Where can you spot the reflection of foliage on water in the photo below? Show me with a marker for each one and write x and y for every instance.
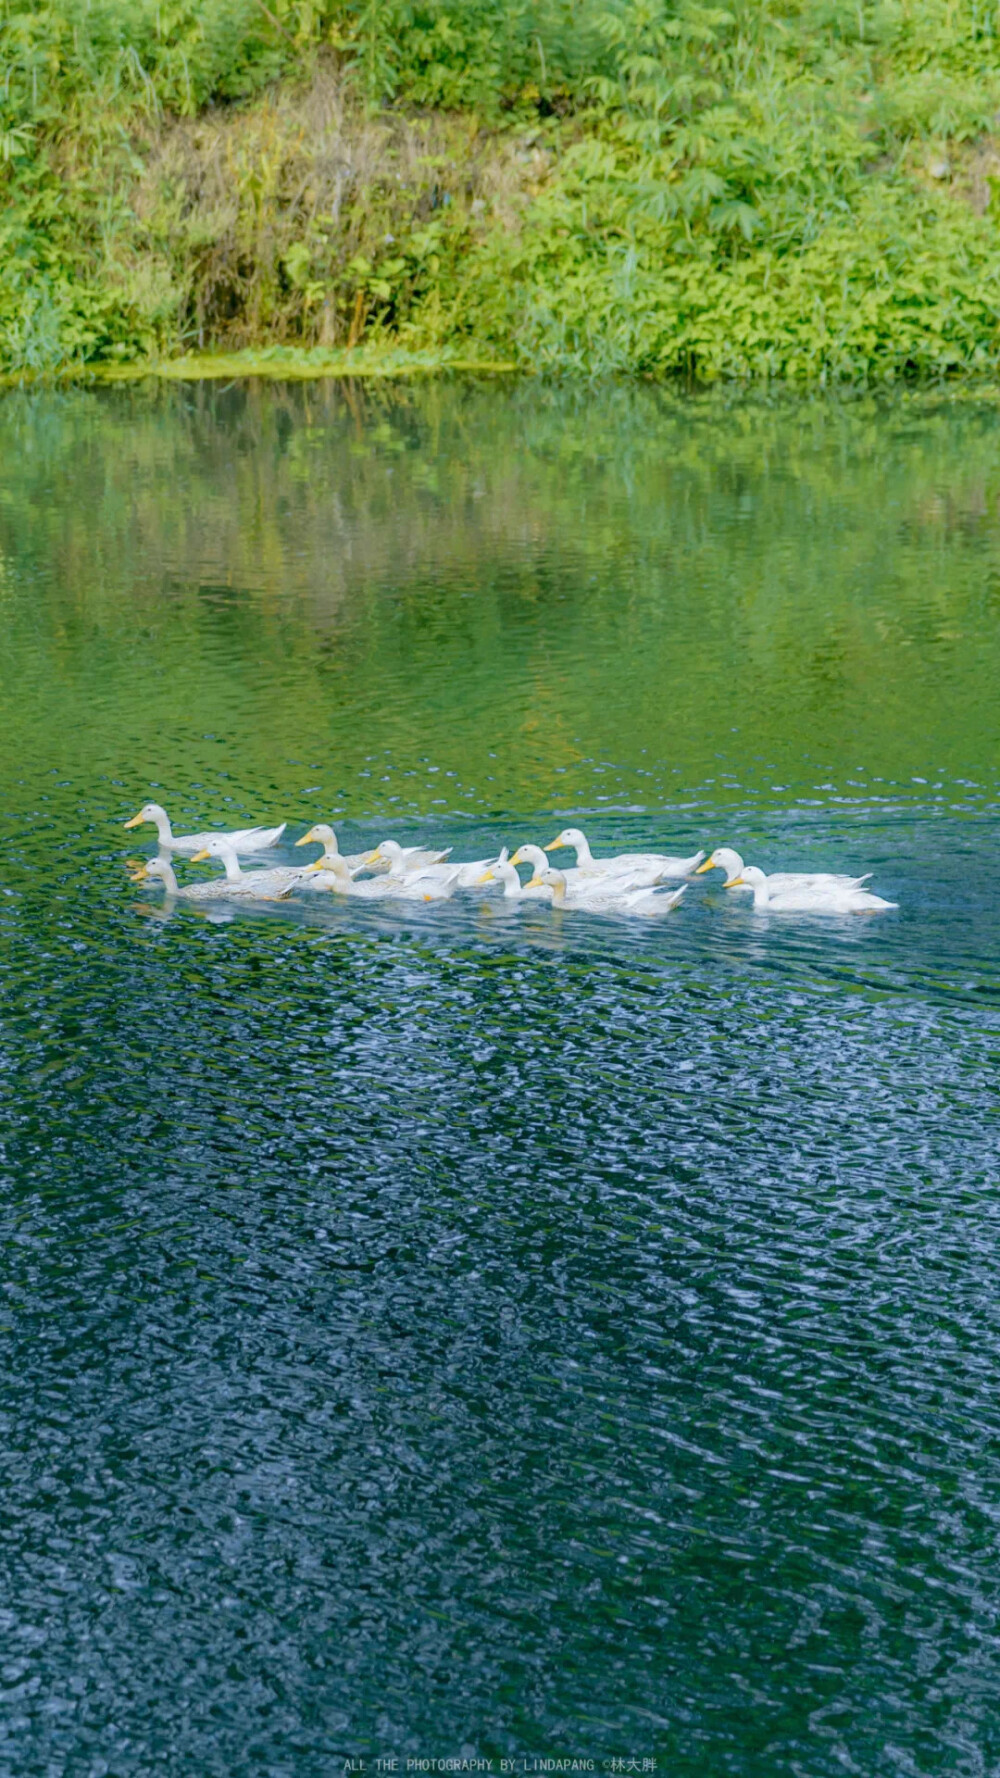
(438, 570)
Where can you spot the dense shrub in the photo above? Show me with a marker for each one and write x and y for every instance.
(802, 188)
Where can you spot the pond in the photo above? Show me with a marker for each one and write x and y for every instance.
(453, 1332)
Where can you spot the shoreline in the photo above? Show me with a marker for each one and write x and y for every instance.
(392, 364)
(273, 363)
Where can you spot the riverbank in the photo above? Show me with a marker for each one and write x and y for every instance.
(281, 364)
(802, 192)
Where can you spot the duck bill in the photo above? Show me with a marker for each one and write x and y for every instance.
(487, 877)
(736, 883)
(311, 869)
(308, 839)
(200, 857)
(136, 821)
(554, 846)
(709, 864)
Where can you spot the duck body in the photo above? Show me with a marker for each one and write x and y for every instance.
(420, 885)
(467, 875)
(243, 839)
(409, 886)
(263, 885)
(613, 898)
(390, 856)
(780, 881)
(450, 876)
(815, 898)
(644, 868)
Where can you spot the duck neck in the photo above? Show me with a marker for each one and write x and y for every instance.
(163, 829)
(761, 897)
(509, 878)
(584, 856)
(232, 864)
(534, 856)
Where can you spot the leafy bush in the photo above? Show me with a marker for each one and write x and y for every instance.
(800, 188)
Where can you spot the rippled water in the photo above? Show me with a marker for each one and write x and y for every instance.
(449, 1331)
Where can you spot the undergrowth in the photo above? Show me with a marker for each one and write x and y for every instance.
(790, 188)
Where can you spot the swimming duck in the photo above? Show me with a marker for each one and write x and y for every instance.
(219, 889)
(324, 836)
(502, 871)
(806, 898)
(580, 883)
(409, 886)
(724, 858)
(390, 855)
(614, 899)
(654, 867)
(534, 856)
(245, 839)
(403, 861)
(261, 883)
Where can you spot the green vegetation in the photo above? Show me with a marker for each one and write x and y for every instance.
(793, 188)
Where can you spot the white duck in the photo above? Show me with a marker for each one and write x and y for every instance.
(615, 898)
(810, 898)
(502, 871)
(245, 839)
(390, 855)
(413, 885)
(580, 882)
(724, 858)
(460, 876)
(264, 884)
(403, 861)
(467, 876)
(219, 889)
(652, 867)
(324, 836)
(534, 856)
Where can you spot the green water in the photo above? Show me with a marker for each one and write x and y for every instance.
(459, 1331)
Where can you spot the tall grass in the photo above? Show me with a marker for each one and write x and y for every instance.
(799, 188)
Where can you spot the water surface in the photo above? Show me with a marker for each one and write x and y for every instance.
(450, 1331)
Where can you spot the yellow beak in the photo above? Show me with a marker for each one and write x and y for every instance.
(197, 857)
(308, 839)
(736, 883)
(553, 845)
(136, 821)
(709, 864)
(311, 868)
(373, 857)
(487, 877)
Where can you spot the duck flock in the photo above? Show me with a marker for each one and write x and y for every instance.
(633, 883)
